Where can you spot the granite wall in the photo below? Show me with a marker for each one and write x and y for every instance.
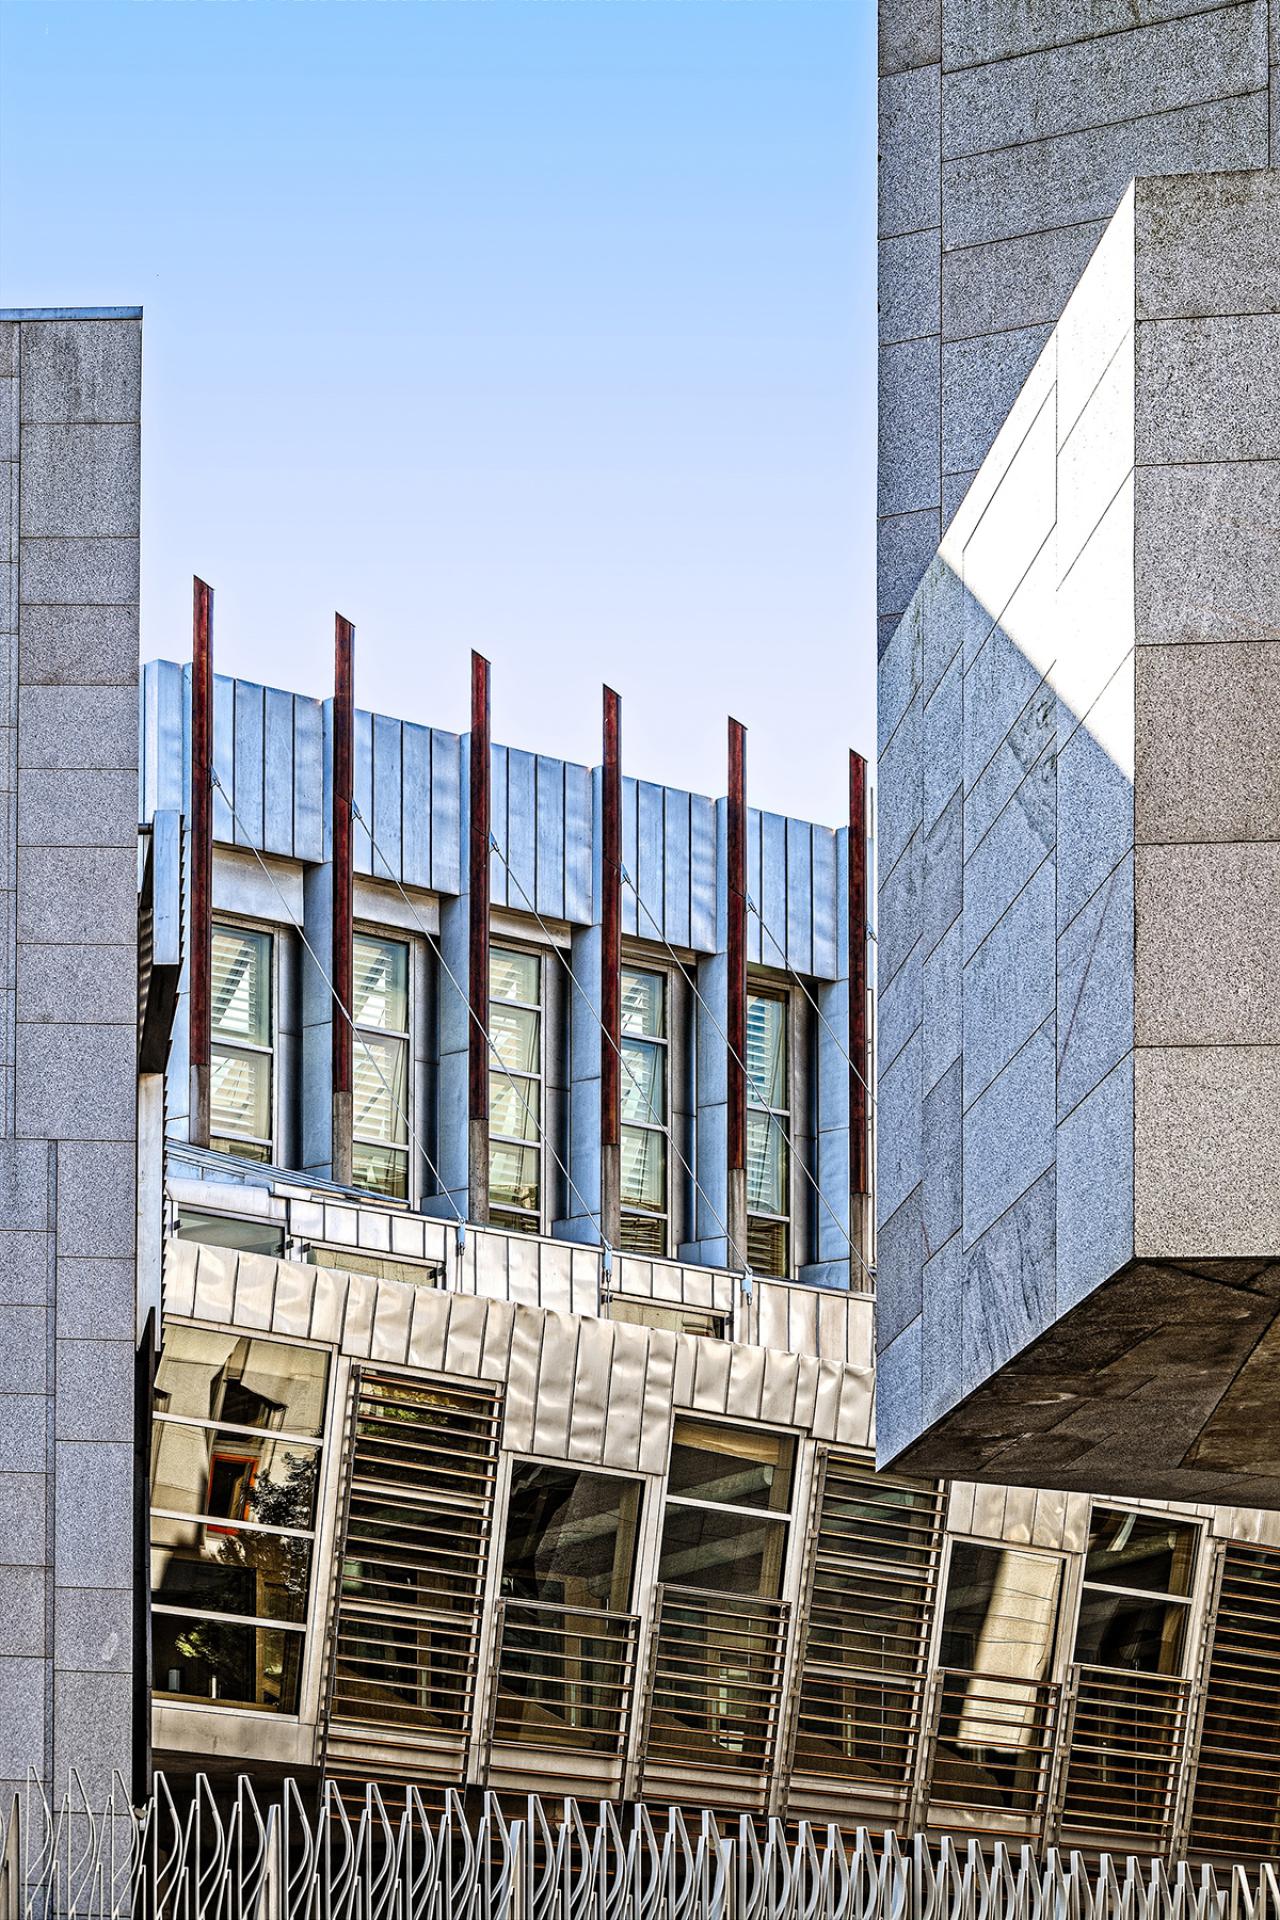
(1008, 132)
(1080, 895)
(70, 389)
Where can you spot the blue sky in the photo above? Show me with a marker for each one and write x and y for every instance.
(541, 326)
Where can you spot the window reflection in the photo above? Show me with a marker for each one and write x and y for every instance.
(1135, 1600)
(239, 1381)
(515, 1089)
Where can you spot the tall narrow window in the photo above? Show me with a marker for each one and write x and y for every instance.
(241, 1076)
(515, 1090)
(645, 1101)
(1136, 1597)
(380, 1110)
(768, 1131)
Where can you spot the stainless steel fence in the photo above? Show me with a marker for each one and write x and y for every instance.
(232, 1853)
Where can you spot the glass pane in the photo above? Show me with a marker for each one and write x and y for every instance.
(220, 1230)
(241, 985)
(232, 1475)
(644, 1168)
(381, 1170)
(766, 1164)
(1117, 1630)
(768, 1246)
(380, 1108)
(244, 1382)
(218, 1660)
(242, 1149)
(513, 1176)
(767, 1050)
(1140, 1550)
(240, 1094)
(738, 1466)
(1000, 1613)
(224, 1569)
(671, 1319)
(515, 976)
(380, 983)
(514, 1106)
(514, 1032)
(571, 1537)
(643, 1082)
(644, 1003)
(724, 1551)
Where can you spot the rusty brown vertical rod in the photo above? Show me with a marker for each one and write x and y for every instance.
(201, 1004)
(344, 730)
(611, 972)
(859, 1109)
(736, 1022)
(478, 945)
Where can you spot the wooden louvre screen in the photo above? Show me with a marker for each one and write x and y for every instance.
(864, 1670)
(417, 1524)
(1125, 1740)
(1235, 1808)
(715, 1691)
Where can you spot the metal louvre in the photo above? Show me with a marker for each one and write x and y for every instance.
(991, 1749)
(394, 1856)
(565, 1677)
(416, 1527)
(1124, 1742)
(862, 1679)
(714, 1694)
(1235, 1809)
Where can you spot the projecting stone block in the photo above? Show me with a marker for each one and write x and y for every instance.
(1204, 720)
(910, 411)
(1008, 1136)
(81, 371)
(980, 381)
(905, 544)
(910, 34)
(79, 572)
(53, 1063)
(910, 287)
(1228, 516)
(79, 646)
(79, 481)
(909, 114)
(1017, 283)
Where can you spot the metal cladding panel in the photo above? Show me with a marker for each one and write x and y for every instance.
(517, 832)
(498, 824)
(224, 758)
(308, 779)
(277, 772)
(388, 799)
(799, 922)
(579, 839)
(247, 776)
(648, 873)
(415, 803)
(548, 890)
(634, 921)
(771, 897)
(362, 846)
(702, 874)
(164, 696)
(828, 937)
(675, 891)
(446, 811)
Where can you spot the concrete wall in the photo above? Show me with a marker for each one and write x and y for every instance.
(69, 427)
(1080, 893)
(1008, 132)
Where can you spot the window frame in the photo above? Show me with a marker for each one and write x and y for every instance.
(781, 1120)
(632, 963)
(370, 931)
(1189, 1600)
(537, 1217)
(1059, 1638)
(785, 1515)
(271, 931)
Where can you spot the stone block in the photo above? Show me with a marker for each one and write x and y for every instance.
(1206, 767)
(909, 284)
(76, 807)
(899, 1387)
(1094, 616)
(93, 1528)
(79, 573)
(1095, 1187)
(80, 481)
(951, 622)
(22, 1520)
(1021, 836)
(9, 511)
(9, 341)
(1018, 283)
(96, 1299)
(900, 1257)
(941, 1147)
(79, 646)
(56, 886)
(1078, 177)
(57, 984)
(78, 727)
(25, 1261)
(24, 1356)
(92, 1727)
(25, 1173)
(84, 371)
(1208, 958)
(942, 873)
(910, 34)
(942, 1326)
(1010, 1281)
(54, 1064)
(1095, 969)
(899, 1010)
(942, 741)
(96, 1208)
(22, 1724)
(909, 425)
(900, 787)
(1101, 81)
(981, 379)
(900, 1112)
(1207, 246)
(8, 420)
(1009, 983)
(941, 1006)
(24, 1424)
(1008, 1135)
(1008, 556)
(1094, 458)
(900, 913)
(1199, 398)
(905, 544)
(910, 105)
(22, 1599)
(898, 677)
(93, 1630)
(1229, 517)
(1003, 28)
(95, 1390)
(998, 763)
(1206, 1147)
(1095, 795)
